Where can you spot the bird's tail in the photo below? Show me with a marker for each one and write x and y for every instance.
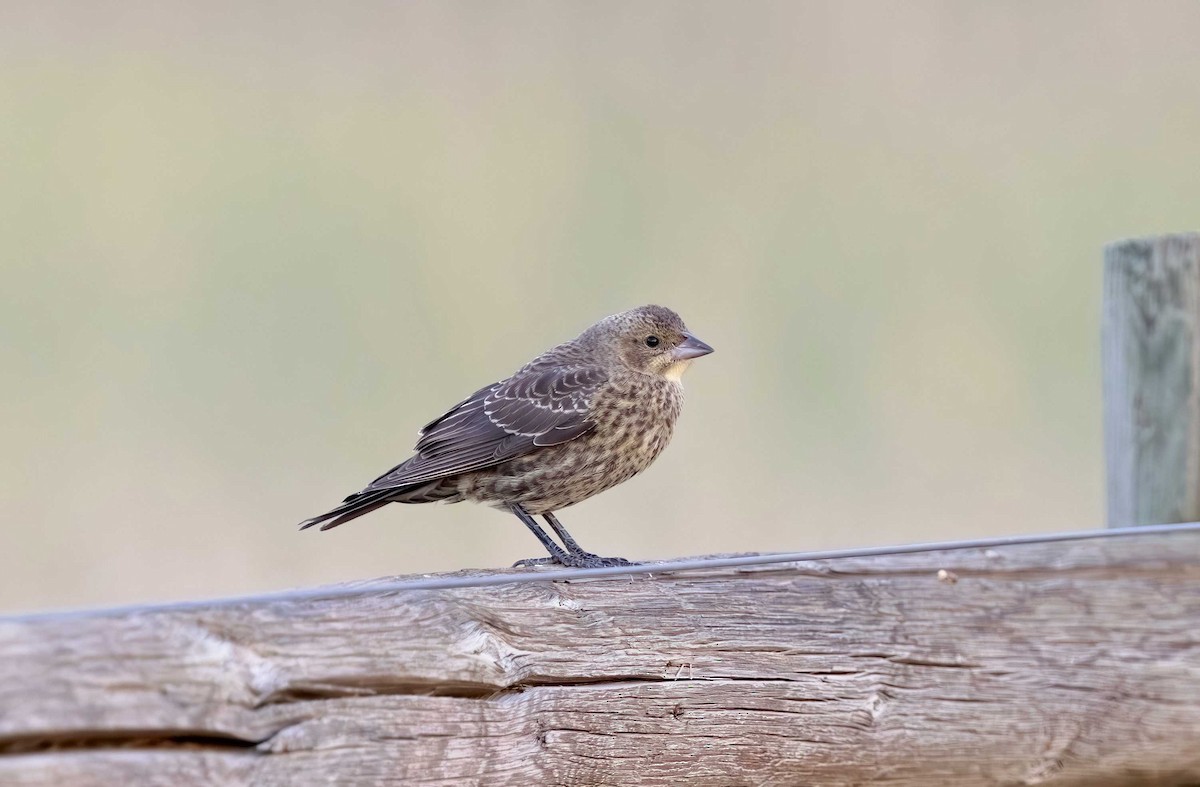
(355, 506)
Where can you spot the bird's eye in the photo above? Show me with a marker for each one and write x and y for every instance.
(652, 341)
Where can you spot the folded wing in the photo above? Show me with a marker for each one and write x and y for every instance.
(533, 408)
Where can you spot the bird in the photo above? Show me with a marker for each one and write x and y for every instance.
(582, 417)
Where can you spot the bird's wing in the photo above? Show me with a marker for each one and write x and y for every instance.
(533, 408)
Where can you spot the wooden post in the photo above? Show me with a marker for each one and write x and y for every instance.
(1151, 349)
(1060, 663)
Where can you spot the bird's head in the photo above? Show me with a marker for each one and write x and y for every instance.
(649, 339)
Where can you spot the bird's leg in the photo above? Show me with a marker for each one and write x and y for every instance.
(579, 553)
(573, 557)
(568, 541)
(557, 555)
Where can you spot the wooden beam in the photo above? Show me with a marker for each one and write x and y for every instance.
(1151, 349)
(1065, 663)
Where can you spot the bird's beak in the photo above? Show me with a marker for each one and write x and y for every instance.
(690, 348)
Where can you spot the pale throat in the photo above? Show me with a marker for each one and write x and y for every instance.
(675, 371)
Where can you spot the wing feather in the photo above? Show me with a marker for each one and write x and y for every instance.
(535, 407)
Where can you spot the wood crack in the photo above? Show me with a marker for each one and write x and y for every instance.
(132, 739)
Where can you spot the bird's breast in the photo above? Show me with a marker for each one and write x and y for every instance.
(634, 420)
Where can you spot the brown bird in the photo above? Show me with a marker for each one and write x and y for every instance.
(580, 418)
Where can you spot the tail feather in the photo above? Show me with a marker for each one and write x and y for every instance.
(354, 507)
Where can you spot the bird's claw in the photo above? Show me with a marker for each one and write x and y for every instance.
(584, 560)
(595, 561)
(530, 562)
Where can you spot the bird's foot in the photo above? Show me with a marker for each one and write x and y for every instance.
(581, 559)
(575, 560)
(589, 560)
(530, 562)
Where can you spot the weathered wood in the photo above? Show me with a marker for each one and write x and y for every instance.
(1063, 663)
(1151, 349)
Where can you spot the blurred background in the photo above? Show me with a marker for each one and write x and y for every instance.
(248, 248)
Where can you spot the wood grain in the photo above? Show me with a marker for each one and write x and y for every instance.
(1063, 663)
(1151, 349)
